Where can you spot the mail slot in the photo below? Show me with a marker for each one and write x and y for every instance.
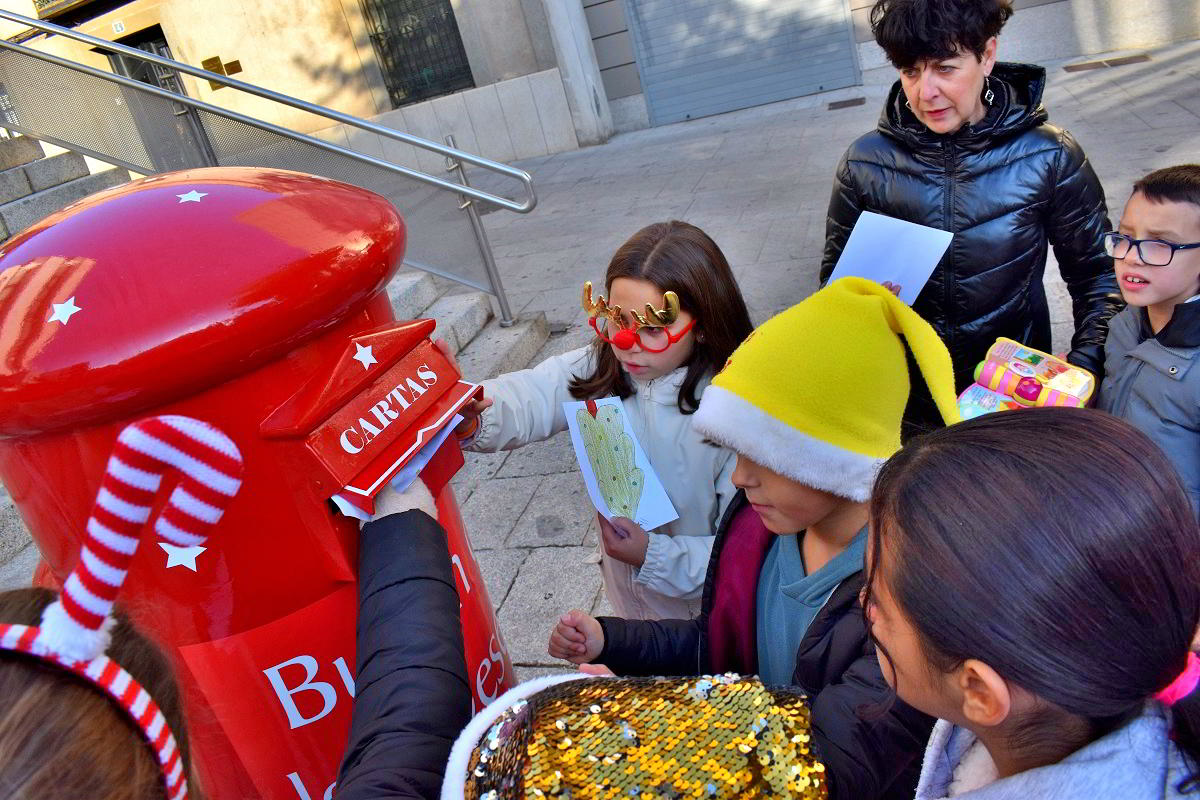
(252, 299)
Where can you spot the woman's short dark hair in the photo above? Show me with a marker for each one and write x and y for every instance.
(676, 257)
(1056, 545)
(910, 31)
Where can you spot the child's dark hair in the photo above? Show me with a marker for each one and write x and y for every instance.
(1059, 547)
(910, 31)
(681, 258)
(60, 736)
(1178, 184)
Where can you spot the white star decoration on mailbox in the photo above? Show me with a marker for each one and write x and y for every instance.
(191, 197)
(181, 556)
(364, 356)
(63, 311)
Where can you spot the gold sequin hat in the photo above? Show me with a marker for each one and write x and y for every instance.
(579, 738)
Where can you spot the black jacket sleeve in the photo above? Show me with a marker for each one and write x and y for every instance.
(1077, 219)
(869, 740)
(844, 210)
(650, 647)
(411, 691)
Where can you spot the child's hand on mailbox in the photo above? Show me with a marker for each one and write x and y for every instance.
(471, 411)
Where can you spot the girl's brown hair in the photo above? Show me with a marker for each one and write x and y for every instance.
(681, 258)
(1059, 547)
(60, 736)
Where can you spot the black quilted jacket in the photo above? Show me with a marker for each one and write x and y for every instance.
(1006, 187)
(411, 692)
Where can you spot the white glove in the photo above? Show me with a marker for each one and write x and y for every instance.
(415, 497)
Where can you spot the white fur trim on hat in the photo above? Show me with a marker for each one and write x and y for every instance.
(455, 782)
(727, 419)
(60, 634)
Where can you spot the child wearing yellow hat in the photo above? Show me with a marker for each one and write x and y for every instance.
(812, 404)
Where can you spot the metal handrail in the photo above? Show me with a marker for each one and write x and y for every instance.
(524, 177)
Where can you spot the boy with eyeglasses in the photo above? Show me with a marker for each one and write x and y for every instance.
(1151, 374)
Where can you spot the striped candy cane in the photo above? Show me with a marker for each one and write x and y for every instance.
(75, 629)
(211, 469)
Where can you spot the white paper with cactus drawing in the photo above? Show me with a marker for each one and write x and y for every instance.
(619, 478)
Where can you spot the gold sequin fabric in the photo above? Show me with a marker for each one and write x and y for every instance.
(720, 736)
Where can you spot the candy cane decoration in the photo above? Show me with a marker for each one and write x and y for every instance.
(211, 466)
(76, 628)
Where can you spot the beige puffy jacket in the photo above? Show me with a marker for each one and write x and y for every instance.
(696, 475)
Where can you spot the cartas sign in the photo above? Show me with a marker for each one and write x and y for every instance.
(382, 411)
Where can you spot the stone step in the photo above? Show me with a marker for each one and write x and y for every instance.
(22, 181)
(19, 150)
(55, 170)
(20, 214)
(411, 292)
(14, 184)
(497, 350)
(13, 534)
(460, 317)
(16, 572)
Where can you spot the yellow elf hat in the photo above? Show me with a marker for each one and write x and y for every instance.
(818, 391)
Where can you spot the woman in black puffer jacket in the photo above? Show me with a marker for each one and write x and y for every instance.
(963, 145)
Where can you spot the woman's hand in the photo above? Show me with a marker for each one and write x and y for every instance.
(416, 496)
(624, 540)
(894, 288)
(471, 411)
(577, 637)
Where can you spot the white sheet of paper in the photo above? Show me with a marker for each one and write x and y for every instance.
(654, 508)
(887, 249)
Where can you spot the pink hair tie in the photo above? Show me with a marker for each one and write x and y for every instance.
(1184, 685)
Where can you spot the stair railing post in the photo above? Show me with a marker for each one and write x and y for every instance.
(485, 248)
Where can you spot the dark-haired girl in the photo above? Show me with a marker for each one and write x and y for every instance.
(964, 145)
(659, 371)
(1034, 582)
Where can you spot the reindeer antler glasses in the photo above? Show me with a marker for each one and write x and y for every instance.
(649, 331)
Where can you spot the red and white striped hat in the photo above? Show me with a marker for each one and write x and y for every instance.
(76, 628)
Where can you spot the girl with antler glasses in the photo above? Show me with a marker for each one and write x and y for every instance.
(669, 316)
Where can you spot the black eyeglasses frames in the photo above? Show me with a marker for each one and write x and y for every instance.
(1152, 252)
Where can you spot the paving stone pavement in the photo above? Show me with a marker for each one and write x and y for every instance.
(758, 182)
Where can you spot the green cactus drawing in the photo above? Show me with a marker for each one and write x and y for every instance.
(610, 452)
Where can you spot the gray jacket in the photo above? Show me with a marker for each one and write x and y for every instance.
(1136, 762)
(1153, 382)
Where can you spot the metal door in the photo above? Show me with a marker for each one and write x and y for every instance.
(702, 57)
(172, 132)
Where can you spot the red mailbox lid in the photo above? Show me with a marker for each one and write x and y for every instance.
(150, 291)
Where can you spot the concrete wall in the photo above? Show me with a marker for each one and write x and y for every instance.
(503, 39)
(320, 51)
(1046, 30)
(612, 41)
(576, 59)
(519, 118)
(317, 51)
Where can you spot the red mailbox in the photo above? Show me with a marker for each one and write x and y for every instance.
(251, 299)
